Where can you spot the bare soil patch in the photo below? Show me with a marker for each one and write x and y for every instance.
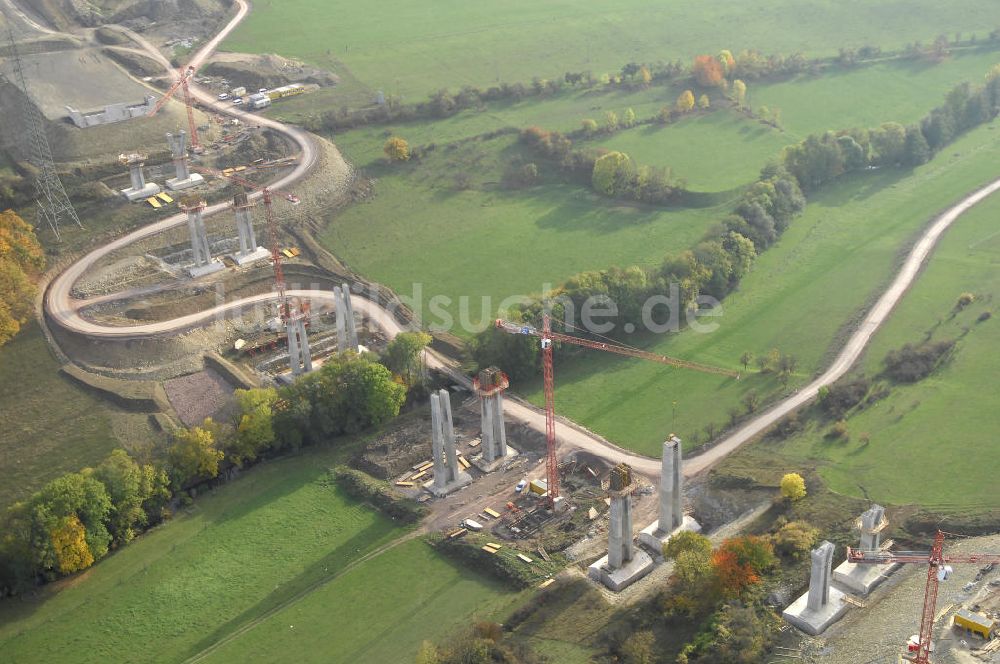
(200, 395)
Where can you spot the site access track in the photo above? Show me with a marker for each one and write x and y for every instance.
(64, 310)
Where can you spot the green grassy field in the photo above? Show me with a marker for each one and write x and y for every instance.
(798, 298)
(492, 242)
(50, 426)
(379, 611)
(928, 442)
(246, 549)
(868, 96)
(418, 47)
(712, 152)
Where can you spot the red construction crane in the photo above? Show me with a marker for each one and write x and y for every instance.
(186, 73)
(284, 310)
(936, 572)
(547, 337)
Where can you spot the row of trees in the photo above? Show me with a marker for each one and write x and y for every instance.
(610, 173)
(708, 71)
(77, 518)
(821, 158)
(714, 267)
(21, 261)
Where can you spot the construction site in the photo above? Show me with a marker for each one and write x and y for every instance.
(205, 277)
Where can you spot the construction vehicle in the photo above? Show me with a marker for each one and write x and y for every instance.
(938, 569)
(258, 100)
(546, 338)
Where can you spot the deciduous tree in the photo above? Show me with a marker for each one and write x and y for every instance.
(793, 487)
(739, 562)
(137, 493)
(644, 76)
(613, 173)
(72, 495)
(704, 102)
(687, 540)
(707, 71)
(795, 539)
(685, 102)
(254, 432)
(916, 151)
(396, 149)
(69, 542)
(739, 93)
(403, 355)
(611, 121)
(21, 259)
(194, 455)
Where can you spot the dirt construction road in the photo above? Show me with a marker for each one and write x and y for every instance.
(64, 311)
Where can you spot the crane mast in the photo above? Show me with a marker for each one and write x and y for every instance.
(279, 273)
(935, 560)
(551, 463)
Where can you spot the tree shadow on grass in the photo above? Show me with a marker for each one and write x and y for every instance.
(857, 186)
(287, 594)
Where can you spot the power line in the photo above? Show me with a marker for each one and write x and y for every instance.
(53, 203)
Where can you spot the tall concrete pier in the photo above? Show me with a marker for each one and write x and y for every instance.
(140, 189)
(299, 355)
(352, 326)
(863, 578)
(624, 564)
(620, 545)
(672, 518)
(249, 252)
(201, 254)
(184, 178)
(490, 385)
(823, 604)
(819, 576)
(347, 329)
(448, 475)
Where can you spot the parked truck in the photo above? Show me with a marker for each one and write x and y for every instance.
(238, 92)
(258, 100)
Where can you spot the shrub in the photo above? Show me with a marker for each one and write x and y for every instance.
(686, 541)
(838, 431)
(843, 395)
(793, 487)
(795, 539)
(912, 363)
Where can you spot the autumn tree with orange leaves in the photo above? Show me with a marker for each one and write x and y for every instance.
(21, 260)
(739, 562)
(708, 71)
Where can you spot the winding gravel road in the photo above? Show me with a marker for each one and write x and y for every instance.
(63, 310)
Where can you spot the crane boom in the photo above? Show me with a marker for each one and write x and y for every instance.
(181, 83)
(612, 347)
(935, 559)
(547, 337)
